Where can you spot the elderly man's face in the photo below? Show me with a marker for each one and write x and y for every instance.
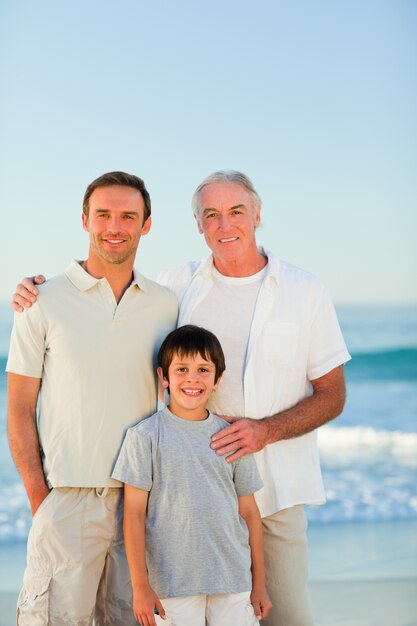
(227, 219)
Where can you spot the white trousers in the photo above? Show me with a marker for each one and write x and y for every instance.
(212, 610)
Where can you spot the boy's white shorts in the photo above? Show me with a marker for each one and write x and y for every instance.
(211, 610)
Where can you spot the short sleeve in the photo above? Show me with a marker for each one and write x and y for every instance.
(28, 343)
(134, 463)
(327, 348)
(246, 476)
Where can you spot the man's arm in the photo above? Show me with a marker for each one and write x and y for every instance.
(23, 393)
(246, 435)
(259, 596)
(26, 293)
(145, 600)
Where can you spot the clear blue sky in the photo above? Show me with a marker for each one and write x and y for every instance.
(316, 101)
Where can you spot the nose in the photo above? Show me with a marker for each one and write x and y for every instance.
(192, 377)
(224, 222)
(114, 224)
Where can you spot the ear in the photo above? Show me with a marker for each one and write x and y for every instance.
(84, 219)
(164, 381)
(217, 382)
(200, 230)
(146, 226)
(257, 217)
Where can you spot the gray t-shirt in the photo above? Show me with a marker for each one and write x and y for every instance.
(196, 542)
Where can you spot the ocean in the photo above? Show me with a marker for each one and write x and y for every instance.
(369, 453)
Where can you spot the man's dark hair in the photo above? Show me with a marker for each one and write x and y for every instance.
(118, 178)
(189, 341)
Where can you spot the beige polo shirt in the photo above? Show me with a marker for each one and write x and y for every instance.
(97, 360)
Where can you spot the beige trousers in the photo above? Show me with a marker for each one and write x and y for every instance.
(285, 546)
(76, 564)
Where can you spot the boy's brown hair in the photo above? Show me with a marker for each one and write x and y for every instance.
(191, 340)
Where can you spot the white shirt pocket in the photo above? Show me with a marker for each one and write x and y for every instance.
(280, 341)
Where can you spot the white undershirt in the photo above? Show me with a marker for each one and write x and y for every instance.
(228, 311)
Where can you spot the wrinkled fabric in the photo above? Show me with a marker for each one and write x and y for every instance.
(286, 568)
(211, 610)
(76, 562)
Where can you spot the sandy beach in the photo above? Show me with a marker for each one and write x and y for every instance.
(362, 574)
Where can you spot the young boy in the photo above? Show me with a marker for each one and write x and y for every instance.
(192, 528)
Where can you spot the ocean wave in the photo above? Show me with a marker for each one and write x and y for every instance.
(344, 444)
(369, 474)
(393, 364)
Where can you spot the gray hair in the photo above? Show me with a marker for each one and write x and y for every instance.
(227, 176)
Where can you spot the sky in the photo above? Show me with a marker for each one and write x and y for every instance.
(315, 100)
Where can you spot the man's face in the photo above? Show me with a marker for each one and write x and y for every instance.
(115, 223)
(227, 219)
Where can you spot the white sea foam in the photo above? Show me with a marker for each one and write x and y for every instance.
(369, 474)
(363, 441)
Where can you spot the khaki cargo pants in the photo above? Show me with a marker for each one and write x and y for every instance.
(76, 563)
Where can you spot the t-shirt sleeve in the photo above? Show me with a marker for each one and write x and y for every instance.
(246, 476)
(134, 463)
(28, 343)
(327, 348)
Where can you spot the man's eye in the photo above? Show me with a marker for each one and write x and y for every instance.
(210, 215)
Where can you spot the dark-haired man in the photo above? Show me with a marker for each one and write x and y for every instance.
(87, 349)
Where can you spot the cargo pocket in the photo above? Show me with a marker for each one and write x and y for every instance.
(251, 619)
(33, 602)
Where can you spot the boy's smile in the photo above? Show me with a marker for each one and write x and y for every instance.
(190, 381)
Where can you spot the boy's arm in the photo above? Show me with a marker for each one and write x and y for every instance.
(145, 599)
(22, 429)
(259, 596)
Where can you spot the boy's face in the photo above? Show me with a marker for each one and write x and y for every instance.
(190, 381)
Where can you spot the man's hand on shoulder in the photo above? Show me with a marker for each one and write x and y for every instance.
(26, 292)
(243, 436)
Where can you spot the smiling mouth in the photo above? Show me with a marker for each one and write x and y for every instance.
(114, 242)
(228, 239)
(192, 392)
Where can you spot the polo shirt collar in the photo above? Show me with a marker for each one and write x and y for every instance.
(83, 281)
(139, 280)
